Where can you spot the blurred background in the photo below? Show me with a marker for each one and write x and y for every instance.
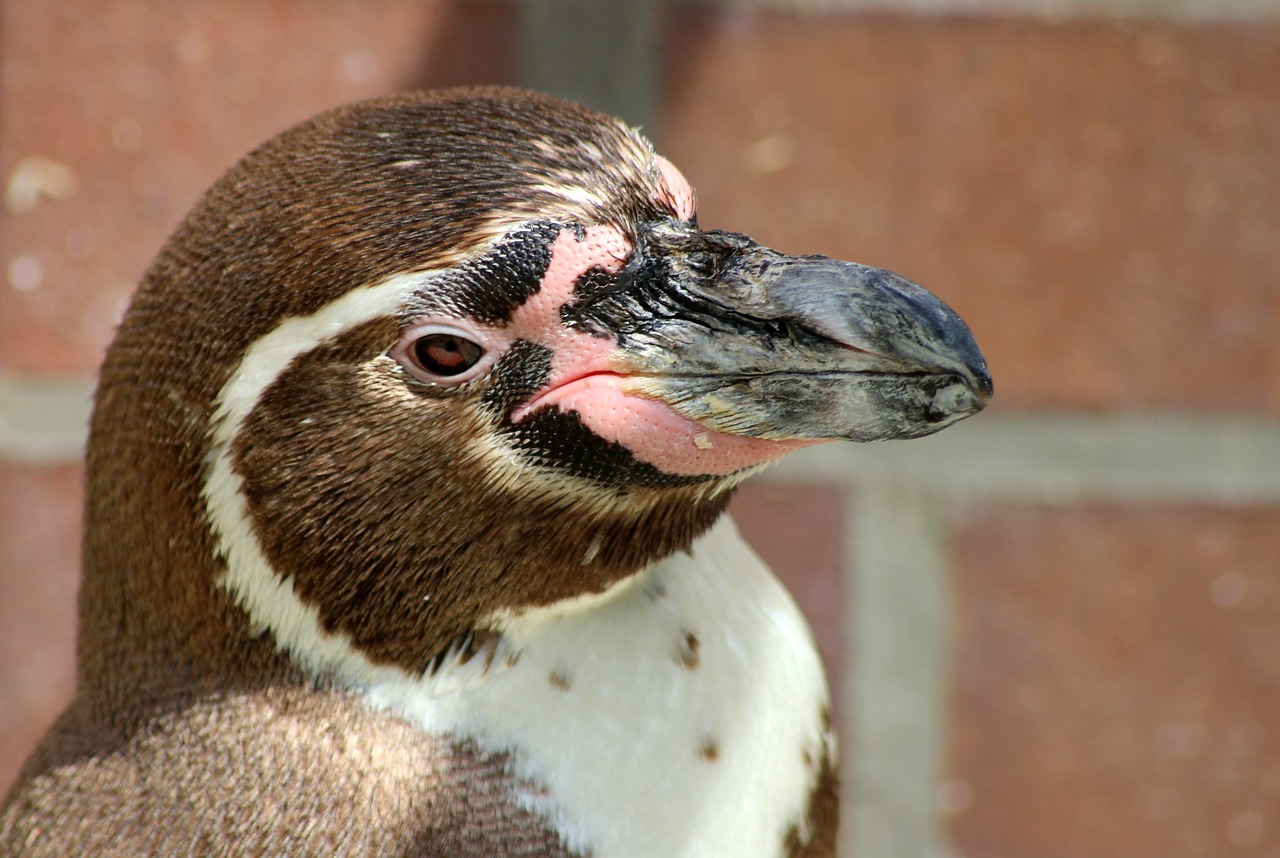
(1053, 630)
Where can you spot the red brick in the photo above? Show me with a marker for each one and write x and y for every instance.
(1100, 201)
(39, 573)
(147, 102)
(1117, 683)
(798, 530)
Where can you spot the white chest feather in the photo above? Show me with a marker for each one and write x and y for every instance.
(680, 713)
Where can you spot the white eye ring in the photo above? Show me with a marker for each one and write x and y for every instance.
(445, 355)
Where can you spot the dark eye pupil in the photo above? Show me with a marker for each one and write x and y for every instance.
(446, 354)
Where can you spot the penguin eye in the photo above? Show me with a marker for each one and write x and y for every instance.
(446, 355)
(443, 355)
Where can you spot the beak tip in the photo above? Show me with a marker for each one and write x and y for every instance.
(980, 381)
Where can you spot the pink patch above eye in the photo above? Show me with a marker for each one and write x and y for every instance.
(589, 374)
(677, 188)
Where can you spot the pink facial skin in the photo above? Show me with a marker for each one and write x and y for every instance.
(676, 188)
(589, 374)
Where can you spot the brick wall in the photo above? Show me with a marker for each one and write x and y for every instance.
(1055, 629)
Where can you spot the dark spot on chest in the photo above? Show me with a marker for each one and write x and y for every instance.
(687, 652)
(560, 679)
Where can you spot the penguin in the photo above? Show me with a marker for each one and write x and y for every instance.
(405, 524)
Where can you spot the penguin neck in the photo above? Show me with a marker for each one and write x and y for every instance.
(444, 616)
(695, 681)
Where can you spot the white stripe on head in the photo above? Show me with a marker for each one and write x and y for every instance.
(269, 599)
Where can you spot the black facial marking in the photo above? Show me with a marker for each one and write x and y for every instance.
(666, 279)
(589, 284)
(560, 440)
(490, 289)
(522, 372)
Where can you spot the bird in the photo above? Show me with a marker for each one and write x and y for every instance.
(405, 524)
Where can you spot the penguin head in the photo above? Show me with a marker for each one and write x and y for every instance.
(429, 358)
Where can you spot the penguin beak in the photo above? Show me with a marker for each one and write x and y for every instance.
(744, 340)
